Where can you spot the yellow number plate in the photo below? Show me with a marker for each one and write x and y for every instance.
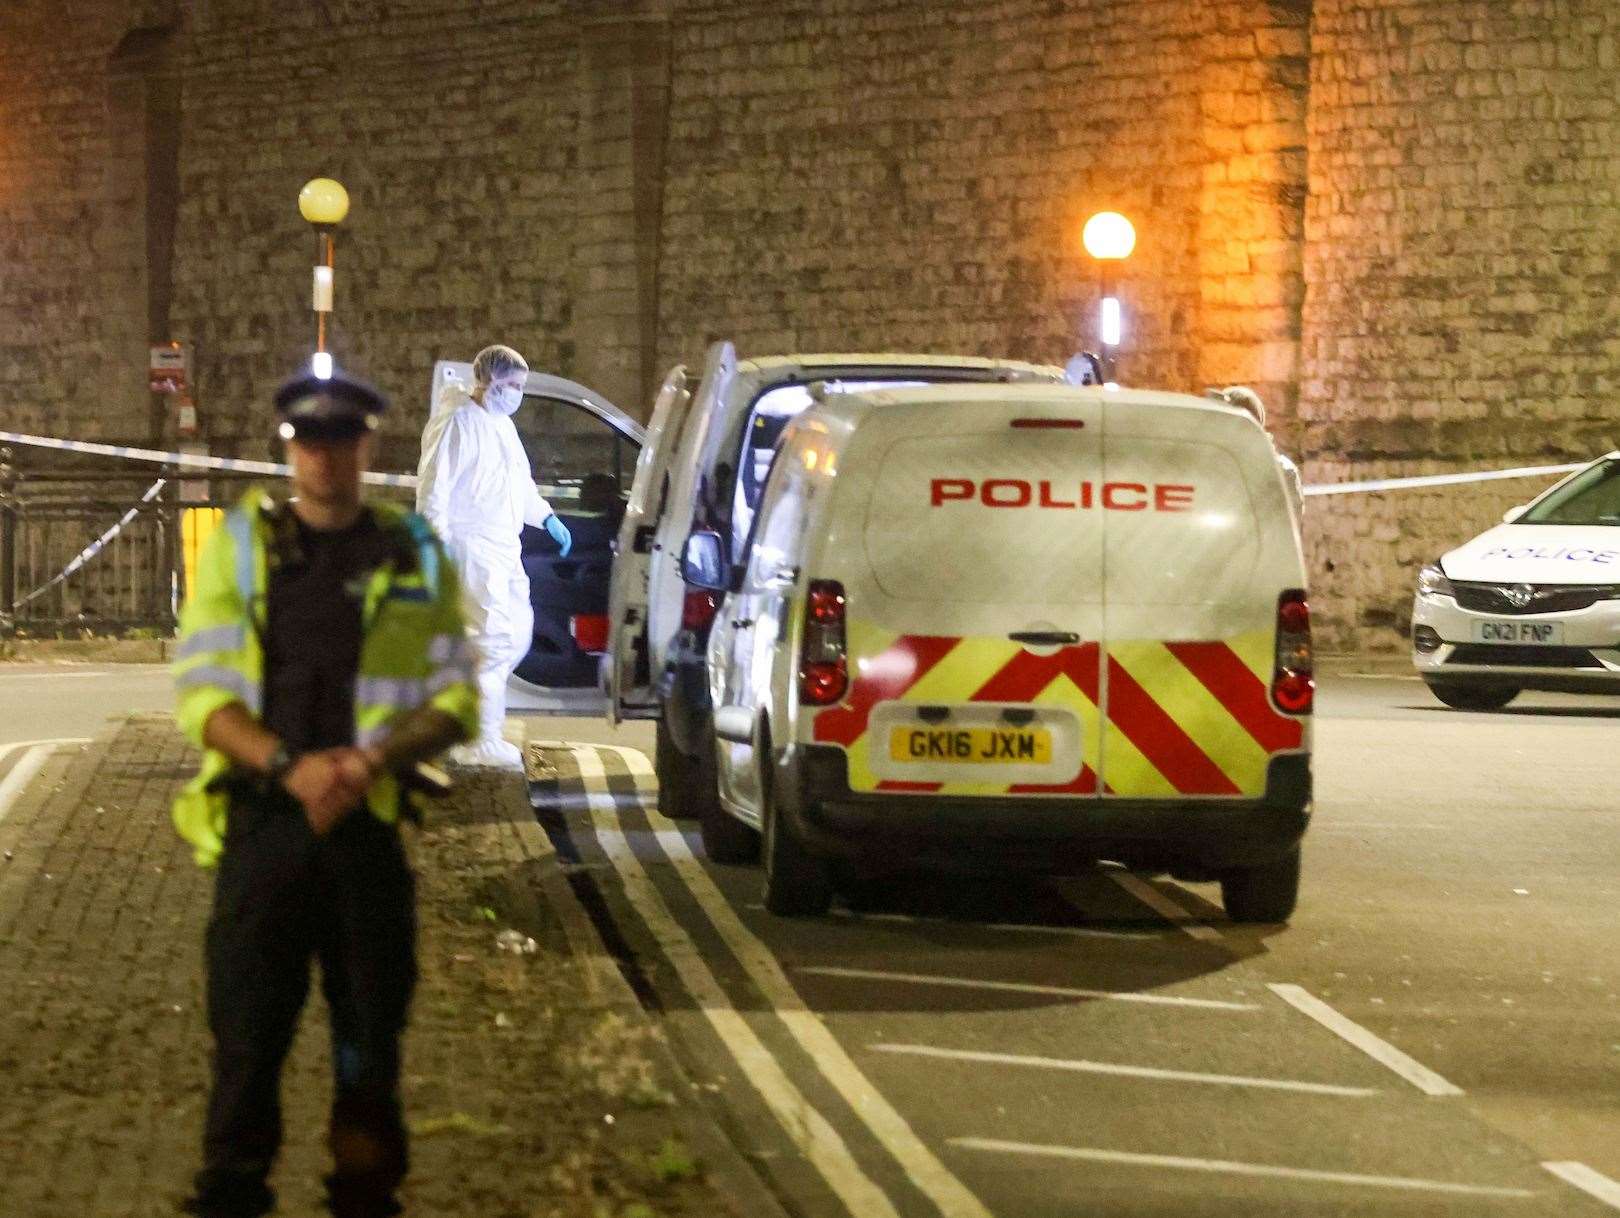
(971, 745)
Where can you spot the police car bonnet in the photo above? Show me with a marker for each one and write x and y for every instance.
(1538, 554)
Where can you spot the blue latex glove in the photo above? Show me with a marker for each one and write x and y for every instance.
(560, 534)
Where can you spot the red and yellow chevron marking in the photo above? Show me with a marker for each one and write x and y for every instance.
(1193, 718)
(1188, 718)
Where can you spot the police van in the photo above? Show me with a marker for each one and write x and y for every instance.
(1021, 627)
(1533, 603)
(709, 445)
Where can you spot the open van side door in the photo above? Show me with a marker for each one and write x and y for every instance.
(627, 671)
(581, 450)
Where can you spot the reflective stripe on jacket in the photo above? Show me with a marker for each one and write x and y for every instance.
(413, 651)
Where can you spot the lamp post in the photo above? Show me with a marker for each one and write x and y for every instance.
(324, 204)
(1109, 238)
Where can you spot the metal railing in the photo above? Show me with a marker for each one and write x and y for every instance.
(97, 549)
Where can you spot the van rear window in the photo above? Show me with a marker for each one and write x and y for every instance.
(1035, 517)
(963, 518)
(1202, 555)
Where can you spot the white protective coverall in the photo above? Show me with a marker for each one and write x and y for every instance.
(476, 491)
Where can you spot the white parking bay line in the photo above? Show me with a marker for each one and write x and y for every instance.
(1593, 1183)
(1149, 1072)
(1381, 1051)
(921, 1165)
(1022, 987)
(1227, 1167)
(24, 772)
(811, 1132)
(1184, 921)
(49, 676)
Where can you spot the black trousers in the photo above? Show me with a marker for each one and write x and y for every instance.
(283, 896)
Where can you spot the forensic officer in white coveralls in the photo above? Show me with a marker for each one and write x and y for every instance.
(477, 492)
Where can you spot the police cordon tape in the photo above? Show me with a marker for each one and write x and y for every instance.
(1412, 484)
(94, 548)
(235, 465)
(187, 460)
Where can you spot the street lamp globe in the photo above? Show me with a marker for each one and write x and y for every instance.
(323, 202)
(1109, 236)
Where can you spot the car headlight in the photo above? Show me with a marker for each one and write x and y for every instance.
(1432, 581)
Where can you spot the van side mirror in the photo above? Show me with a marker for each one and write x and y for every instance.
(1513, 513)
(703, 562)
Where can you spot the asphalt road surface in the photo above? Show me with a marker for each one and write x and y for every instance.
(73, 701)
(1437, 1032)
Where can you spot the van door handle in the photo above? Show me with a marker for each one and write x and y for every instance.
(1045, 638)
(742, 623)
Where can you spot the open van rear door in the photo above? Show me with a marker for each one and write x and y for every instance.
(627, 668)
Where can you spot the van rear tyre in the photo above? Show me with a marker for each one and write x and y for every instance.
(1267, 893)
(1473, 697)
(797, 883)
(726, 839)
(686, 785)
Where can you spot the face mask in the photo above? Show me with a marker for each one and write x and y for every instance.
(505, 399)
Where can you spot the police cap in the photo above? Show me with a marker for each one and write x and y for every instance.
(337, 407)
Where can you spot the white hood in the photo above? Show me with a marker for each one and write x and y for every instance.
(1538, 554)
(451, 396)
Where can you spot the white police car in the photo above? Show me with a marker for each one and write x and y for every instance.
(1533, 603)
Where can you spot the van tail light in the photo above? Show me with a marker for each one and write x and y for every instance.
(698, 609)
(823, 662)
(1293, 677)
(590, 631)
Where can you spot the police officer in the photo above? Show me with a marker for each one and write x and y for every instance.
(321, 658)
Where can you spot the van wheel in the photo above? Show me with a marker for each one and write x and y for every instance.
(797, 883)
(725, 838)
(1473, 697)
(1263, 894)
(686, 785)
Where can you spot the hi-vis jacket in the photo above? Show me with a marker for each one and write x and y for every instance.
(413, 650)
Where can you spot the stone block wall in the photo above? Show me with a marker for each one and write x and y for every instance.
(452, 127)
(72, 233)
(880, 174)
(1462, 302)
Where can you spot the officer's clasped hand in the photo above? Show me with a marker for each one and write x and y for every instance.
(560, 534)
(329, 784)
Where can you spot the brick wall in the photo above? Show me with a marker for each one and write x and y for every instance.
(1463, 290)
